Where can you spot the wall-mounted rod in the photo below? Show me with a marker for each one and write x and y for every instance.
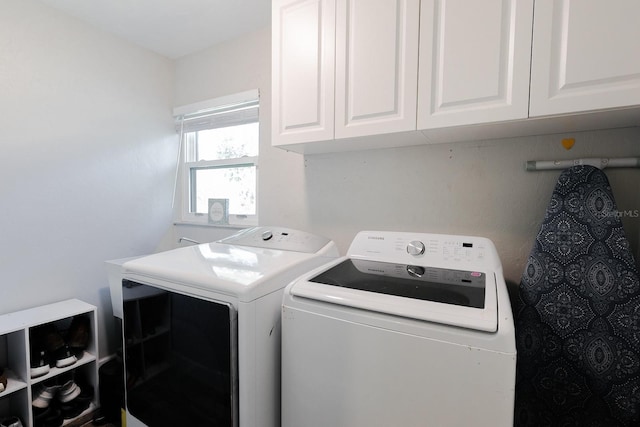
(180, 240)
(601, 163)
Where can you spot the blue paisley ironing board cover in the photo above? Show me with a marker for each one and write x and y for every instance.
(578, 314)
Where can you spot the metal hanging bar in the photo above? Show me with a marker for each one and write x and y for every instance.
(184, 239)
(601, 163)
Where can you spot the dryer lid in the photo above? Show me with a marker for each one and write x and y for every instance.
(453, 297)
(246, 266)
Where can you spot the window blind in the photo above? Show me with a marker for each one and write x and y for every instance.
(219, 117)
(218, 113)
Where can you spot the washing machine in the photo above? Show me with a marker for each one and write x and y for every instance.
(408, 329)
(201, 328)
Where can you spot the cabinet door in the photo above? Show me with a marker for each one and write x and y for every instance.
(376, 66)
(586, 56)
(303, 49)
(474, 61)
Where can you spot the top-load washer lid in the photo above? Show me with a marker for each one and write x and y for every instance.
(460, 298)
(252, 264)
(457, 287)
(444, 279)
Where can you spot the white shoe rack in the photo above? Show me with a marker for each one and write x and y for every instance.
(16, 399)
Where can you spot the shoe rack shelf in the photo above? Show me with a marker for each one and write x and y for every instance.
(15, 347)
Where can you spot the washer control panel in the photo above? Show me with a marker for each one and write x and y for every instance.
(423, 248)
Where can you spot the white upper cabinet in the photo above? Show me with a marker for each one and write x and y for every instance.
(474, 61)
(303, 47)
(343, 68)
(376, 66)
(586, 56)
(353, 74)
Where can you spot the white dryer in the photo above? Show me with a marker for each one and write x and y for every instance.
(409, 329)
(202, 328)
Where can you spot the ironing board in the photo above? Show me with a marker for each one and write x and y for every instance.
(578, 314)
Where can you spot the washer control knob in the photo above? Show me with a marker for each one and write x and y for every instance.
(415, 248)
(267, 235)
(416, 271)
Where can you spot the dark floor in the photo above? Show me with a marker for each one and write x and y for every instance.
(91, 424)
(88, 421)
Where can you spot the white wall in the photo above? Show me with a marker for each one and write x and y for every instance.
(88, 153)
(86, 161)
(232, 67)
(476, 188)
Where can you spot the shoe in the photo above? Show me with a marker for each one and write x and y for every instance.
(47, 336)
(99, 420)
(77, 406)
(44, 393)
(11, 422)
(68, 391)
(74, 408)
(49, 417)
(39, 364)
(3, 380)
(64, 357)
(79, 335)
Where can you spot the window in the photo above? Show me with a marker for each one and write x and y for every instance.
(220, 145)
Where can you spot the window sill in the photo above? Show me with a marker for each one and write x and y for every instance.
(204, 224)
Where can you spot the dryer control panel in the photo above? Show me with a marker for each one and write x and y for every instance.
(281, 238)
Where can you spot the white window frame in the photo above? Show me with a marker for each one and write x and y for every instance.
(187, 168)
